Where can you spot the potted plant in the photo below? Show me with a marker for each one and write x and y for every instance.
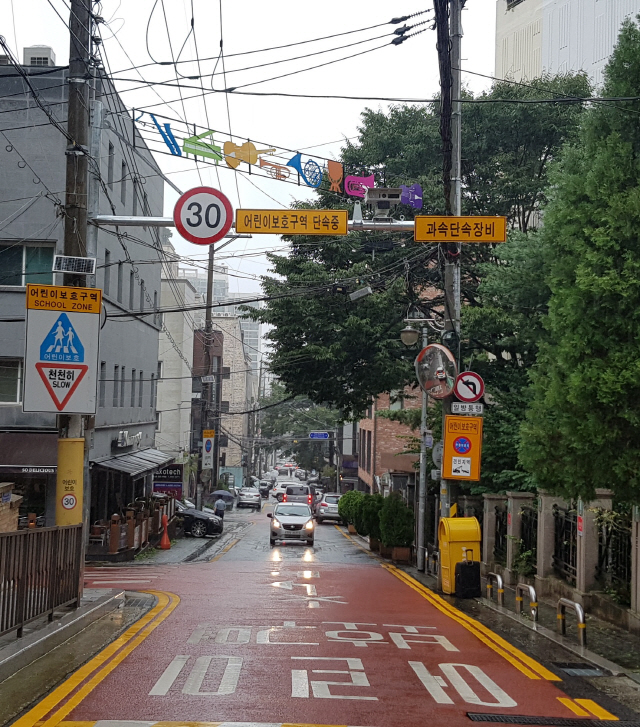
(347, 508)
(396, 528)
(359, 518)
(371, 515)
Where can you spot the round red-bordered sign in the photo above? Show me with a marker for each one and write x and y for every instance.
(69, 501)
(203, 215)
(469, 387)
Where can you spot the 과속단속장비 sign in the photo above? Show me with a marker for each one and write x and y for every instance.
(460, 229)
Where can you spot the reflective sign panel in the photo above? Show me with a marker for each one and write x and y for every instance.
(460, 229)
(462, 448)
(292, 222)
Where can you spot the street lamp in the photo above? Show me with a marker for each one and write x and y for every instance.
(409, 335)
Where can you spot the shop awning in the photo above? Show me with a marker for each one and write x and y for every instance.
(28, 453)
(137, 463)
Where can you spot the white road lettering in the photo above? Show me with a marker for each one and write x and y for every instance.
(243, 635)
(434, 685)
(169, 675)
(321, 688)
(354, 636)
(229, 680)
(402, 642)
(265, 633)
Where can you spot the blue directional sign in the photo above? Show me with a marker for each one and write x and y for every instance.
(318, 435)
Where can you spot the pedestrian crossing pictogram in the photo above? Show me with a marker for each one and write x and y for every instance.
(62, 343)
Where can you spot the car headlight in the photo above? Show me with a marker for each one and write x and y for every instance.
(309, 525)
(275, 523)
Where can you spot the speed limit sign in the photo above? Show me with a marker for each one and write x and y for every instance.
(203, 215)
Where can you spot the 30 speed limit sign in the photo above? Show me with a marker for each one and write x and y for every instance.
(203, 215)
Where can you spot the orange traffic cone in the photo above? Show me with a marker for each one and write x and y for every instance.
(165, 543)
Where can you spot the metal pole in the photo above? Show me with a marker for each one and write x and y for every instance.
(452, 252)
(422, 491)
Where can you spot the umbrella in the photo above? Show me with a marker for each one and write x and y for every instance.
(220, 493)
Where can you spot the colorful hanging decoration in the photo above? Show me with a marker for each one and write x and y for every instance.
(311, 173)
(355, 186)
(412, 196)
(168, 137)
(335, 172)
(247, 152)
(194, 145)
(277, 171)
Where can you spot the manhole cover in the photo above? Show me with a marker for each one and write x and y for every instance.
(579, 669)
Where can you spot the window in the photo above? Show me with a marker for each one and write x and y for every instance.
(158, 421)
(396, 402)
(22, 264)
(39, 61)
(135, 197)
(160, 369)
(107, 272)
(132, 288)
(110, 160)
(10, 381)
(145, 206)
(141, 295)
(123, 183)
(226, 372)
(133, 387)
(156, 315)
(103, 384)
(224, 407)
(120, 282)
(141, 389)
(123, 381)
(116, 378)
(152, 392)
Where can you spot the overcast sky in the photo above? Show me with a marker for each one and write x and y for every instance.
(314, 125)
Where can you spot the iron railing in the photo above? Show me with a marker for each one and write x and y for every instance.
(39, 572)
(565, 543)
(500, 543)
(613, 571)
(528, 546)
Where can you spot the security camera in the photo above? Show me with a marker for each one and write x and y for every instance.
(383, 199)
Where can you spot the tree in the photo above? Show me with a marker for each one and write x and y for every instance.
(583, 426)
(396, 523)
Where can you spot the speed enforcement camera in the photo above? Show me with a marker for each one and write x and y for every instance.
(383, 199)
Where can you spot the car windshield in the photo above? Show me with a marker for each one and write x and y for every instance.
(292, 510)
(297, 490)
(331, 499)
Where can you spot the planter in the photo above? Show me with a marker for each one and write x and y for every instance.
(352, 529)
(385, 551)
(374, 544)
(401, 555)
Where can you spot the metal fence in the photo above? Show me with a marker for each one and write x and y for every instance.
(566, 543)
(614, 556)
(39, 572)
(500, 544)
(529, 535)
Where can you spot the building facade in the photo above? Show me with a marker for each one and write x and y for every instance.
(122, 442)
(558, 36)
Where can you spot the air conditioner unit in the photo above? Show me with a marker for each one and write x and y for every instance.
(123, 437)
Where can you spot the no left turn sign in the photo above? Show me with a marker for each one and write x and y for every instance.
(203, 215)
(469, 386)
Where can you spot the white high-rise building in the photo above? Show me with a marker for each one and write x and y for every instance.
(558, 36)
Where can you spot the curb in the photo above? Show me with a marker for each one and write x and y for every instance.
(22, 652)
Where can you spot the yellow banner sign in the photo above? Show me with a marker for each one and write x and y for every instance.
(460, 229)
(462, 448)
(287, 222)
(57, 297)
(208, 433)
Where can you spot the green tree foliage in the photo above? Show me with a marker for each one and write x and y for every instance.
(348, 505)
(583, 426)
(396, 523)
(371, 507)
(287, 423)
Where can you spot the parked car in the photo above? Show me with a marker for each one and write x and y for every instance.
(327, 508)
(280, 488)
(265, 488)
(249, 497)
(198, 523)
(299, 493)
(291, 522)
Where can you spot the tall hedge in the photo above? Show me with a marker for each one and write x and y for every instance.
(348, 505)
(396, 523)
(371, 507)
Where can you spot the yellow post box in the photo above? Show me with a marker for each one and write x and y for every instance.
(456, 535)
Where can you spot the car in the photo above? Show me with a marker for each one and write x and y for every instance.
(299, 493)
(198, 523)
(290, 522)
(280, 488)
(327, 508)
(188, 505)
(249, 497)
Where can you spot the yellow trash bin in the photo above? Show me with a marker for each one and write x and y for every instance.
(456, 535)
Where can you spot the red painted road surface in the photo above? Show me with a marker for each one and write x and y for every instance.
(315, 636)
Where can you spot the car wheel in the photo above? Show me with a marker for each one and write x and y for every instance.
(310, 543)
(319, 520)
(279, 498)
(199, 529)
(272, 542)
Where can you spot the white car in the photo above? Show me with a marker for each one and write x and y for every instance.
(280, 489)
(291, 522)
(249, 497)
(327, 508)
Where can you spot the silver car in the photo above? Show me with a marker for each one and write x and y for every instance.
(249, 497)
(292, 522)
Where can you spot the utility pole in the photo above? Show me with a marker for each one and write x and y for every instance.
(72, 426)
(452, 250)
(422, 487)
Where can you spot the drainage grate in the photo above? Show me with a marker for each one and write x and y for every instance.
(579, 669)
(523, 720)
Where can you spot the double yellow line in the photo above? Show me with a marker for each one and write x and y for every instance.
(528, 666)
(87, 678)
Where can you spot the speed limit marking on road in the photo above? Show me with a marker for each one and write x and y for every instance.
(69, 502)
(203, 215)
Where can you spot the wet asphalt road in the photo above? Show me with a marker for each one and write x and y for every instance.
(296, 635)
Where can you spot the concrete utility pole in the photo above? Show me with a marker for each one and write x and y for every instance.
(72, 426)
(452, 250)
(422, 486)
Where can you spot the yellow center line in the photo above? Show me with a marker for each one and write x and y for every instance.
(597, 710)
(100, 663)
(226, 549)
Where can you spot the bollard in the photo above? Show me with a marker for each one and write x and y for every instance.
(499, 583)
(533, 599)
(165, 543)
(582, 626)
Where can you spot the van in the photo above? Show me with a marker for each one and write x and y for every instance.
(299, 493)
